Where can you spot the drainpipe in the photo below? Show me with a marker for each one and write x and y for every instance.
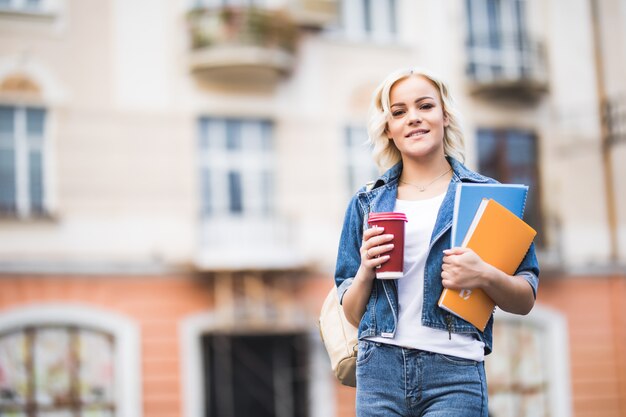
(604, 131)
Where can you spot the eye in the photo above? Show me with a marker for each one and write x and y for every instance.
(397, 113)
(427, 106)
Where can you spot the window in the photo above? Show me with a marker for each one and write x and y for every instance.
(373, 20)
(236, 170)
(22, 161)
(510, 156)
(28, 6)
(497, 40)
(359, 163)
(57, 370)
(255, 375)
(517, 374)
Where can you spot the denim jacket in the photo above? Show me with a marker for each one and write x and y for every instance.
(381, 313)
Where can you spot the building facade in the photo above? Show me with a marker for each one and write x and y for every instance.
(174, 173)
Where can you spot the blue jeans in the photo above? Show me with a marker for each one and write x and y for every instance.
(394, 381)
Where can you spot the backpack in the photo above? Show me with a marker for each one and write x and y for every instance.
(340, 338)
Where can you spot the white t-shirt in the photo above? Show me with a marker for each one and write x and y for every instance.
(410, 333)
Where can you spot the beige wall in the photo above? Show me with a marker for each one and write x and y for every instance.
(123, 107)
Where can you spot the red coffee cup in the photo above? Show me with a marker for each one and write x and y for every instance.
(394, 225)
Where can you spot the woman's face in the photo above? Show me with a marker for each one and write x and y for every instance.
(417, 119)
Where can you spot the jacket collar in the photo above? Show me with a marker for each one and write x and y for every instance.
(461, 174)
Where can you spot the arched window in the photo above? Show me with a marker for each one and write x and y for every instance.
(528, 370)
(59, 360)
(59, 370)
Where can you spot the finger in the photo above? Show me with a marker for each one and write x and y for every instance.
(455, 251)
(372, 231)
(448, 284)
(450, 271)
(379, 240)
(367, 252)
(379, 250)
(447, 281)
(376, 262)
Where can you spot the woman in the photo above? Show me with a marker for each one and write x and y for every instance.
(414, 358)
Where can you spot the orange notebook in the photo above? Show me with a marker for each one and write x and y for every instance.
(501, 239)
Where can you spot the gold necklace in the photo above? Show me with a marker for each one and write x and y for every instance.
(420, 188)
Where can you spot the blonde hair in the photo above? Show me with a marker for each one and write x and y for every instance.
(385, 152)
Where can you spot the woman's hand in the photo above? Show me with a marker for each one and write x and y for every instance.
(375, 245)
(463, 269)
(373, 248)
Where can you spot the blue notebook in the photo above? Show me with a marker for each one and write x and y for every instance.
(468, 197)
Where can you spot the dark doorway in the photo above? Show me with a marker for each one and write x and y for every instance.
(261, 375)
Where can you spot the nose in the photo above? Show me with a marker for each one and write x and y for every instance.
(414, 117)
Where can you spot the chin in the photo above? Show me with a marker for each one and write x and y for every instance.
(421, 151)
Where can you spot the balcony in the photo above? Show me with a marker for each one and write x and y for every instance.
(512, 68)
(241, 46)
(236, 243)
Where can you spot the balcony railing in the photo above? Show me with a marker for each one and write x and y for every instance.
(510, 67)
(241, 45)
(259, 243)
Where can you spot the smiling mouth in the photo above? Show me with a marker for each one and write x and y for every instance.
(417, 132)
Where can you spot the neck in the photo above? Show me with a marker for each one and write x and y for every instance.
(422, 171)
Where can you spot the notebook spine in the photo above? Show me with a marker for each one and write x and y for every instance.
(524, 204)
